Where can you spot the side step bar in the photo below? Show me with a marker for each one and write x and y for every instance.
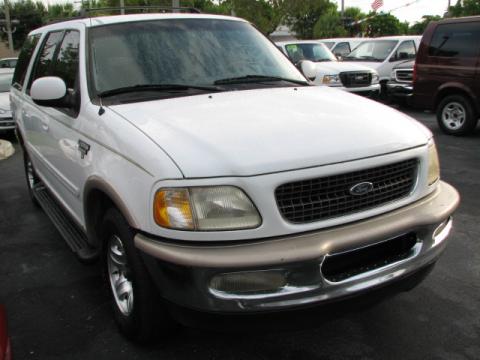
(73, 236)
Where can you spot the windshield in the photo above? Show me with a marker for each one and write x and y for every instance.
(5, 82)
(328, 44)
(377, 50)
(309, 51)
(191, 52)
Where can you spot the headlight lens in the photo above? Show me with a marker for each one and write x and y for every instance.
(375, 78)
(2, 111)
(433, 164)
(331, 80)
(205, 208)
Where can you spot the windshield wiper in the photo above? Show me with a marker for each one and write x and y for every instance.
(256, 78)
(156, 87)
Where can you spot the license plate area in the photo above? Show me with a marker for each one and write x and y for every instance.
(343, 266)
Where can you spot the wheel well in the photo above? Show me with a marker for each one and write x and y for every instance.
(96, 204)
(453, 91)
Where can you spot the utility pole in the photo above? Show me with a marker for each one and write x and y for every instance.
(175, 5)
(8, 26)
(342, 8)
(122, 7)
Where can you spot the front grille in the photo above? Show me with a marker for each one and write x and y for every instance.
(7, 122)
(327, 197)
(405, 76)
(356, 79)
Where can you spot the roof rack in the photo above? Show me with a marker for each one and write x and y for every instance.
(87, 13)
(161, 9)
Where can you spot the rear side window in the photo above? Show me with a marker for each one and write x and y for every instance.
(45, 59)
(23, 61)
(455, 40)
(342, 49)
(66, 64)
(406, 51)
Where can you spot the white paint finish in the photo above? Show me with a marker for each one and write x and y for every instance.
(5, 111)
(228, 139)
(48, 88)
(244, 133)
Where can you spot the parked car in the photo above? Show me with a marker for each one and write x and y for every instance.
(341, 47)
(384, 53)
(5, 349)
(195, 161)
(6, 120)
(8, 63)
(447, 74)
(331, 72)
(400, 85)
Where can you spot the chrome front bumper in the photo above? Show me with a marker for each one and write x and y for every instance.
(184, 273)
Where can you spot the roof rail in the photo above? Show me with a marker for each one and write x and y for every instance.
(162, 9)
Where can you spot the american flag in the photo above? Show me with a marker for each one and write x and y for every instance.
(377, 4)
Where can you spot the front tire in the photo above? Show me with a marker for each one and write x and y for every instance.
(137, 309)
(456, 115)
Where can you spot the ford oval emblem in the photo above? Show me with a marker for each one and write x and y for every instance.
(361, 188)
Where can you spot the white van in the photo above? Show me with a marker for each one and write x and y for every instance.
(384, 53)
(359, 79)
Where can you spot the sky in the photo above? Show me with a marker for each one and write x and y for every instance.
(411, 13)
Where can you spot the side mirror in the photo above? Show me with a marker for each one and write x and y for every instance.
(309, 69)
(50, 91)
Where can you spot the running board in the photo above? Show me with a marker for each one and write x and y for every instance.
(73, 236)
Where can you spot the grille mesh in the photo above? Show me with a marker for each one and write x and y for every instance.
(356, 79)
(322, 198)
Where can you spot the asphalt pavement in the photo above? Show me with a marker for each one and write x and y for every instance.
(58, 308)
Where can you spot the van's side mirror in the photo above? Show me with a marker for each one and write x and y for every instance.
(309, 69)
(50, 91)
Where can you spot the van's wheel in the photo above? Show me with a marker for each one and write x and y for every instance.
(137, 310)
(456, 115)
(31, 176)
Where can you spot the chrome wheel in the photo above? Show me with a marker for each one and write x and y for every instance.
(454, 115)
(119, 275)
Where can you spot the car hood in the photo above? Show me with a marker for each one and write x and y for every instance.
(335, 67)
(251, 132)
(370, 64)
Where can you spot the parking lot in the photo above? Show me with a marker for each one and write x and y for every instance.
(59, 309)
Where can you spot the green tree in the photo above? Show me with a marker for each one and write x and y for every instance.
(383, 25)
(302, 15)
(264, 14)
(353, 21)
(465, 8)
(30, 16)
(329, 25)
(419, 27)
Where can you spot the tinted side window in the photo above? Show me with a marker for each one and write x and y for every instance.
(66, 63)
(455, 40)
(44, 61)
(24, 60)
(406, 51)
(342, 49)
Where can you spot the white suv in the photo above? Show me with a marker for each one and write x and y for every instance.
(197, 163)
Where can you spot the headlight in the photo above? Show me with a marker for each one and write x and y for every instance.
(433, 163)
(205, 208)
(331, 80)
(375, 78)
(2, 111)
